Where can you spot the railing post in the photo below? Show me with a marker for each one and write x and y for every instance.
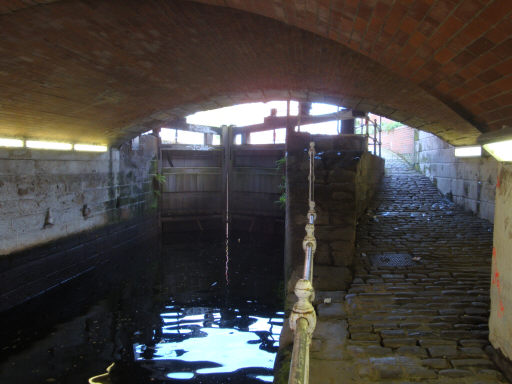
(303, 316)
(380, 136)
(375, 137)
(227, 165)
(302, 323)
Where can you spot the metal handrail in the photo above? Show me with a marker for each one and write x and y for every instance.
(376, 138)
(303, 316)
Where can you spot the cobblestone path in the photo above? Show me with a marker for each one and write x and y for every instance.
(418, 308)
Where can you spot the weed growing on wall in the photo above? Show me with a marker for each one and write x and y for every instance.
(280, 165)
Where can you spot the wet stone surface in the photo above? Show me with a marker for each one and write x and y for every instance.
(425, 320)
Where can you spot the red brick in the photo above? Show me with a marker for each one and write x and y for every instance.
(449, 68)
(428, 26)
(498, 113)
(350, 7)
(473, 99)
(489, 76)
(467, 9)
(381, 10)
(401, 38)
(443, 87)
(414, 64)
(457, 93)
(489, 90)
(421, 75)
(419, 9)
(360, 25)
(475, 29)
(463, 58)
(448, 29)
(442, 10)
(475, 84)
(417, 39)
(497, 102)
(504, 50)
(500, 32)
(394, 18)
(480, 46)
(489, 105)
(505, 67)
(468, 72)
(365, 11)
(496, 11)
(472, 48)
(486, 61)
(408, 51)
(408, 25)
(444, 55)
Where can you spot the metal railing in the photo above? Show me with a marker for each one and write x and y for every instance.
(375, 138)
(303, 316)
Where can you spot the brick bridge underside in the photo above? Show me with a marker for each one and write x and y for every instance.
(105, 71)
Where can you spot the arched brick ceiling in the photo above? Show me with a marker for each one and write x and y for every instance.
(458, 50)
(107, 70)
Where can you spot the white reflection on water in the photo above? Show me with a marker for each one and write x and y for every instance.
(180, 375)
(232, 340)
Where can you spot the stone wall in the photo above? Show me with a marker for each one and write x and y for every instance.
(469, 182)
(60, 211)
(501, 282)
(346, 179)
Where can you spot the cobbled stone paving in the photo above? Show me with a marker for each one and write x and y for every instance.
(423, 319)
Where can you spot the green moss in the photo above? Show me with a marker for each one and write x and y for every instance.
(282, 365)
(280, 165)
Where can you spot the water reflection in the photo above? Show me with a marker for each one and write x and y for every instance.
(167, 316)
(229, 340)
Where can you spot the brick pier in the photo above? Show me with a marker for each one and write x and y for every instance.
(418, 307)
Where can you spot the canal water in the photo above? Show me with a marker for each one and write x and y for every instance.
(181, 310)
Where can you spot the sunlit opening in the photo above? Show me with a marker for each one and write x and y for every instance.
(323, 109)
(168, 136)
(216, 140)
(49, 145)
(267, 137)
(327, 128)
(13, 143)
(238, 139)
(473, 151)
(242, 114)
(186, 137)
(501, 151)
(178, 136)
(90, 148)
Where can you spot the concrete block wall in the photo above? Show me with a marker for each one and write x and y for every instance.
(500, 320)
(115, 189)
(114, 185)
(470, 182)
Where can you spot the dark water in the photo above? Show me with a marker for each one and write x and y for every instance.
(176, 311)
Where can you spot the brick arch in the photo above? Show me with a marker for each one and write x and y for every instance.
(108, 70)
(460, 51)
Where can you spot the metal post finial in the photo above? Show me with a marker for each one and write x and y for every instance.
(303, 307)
